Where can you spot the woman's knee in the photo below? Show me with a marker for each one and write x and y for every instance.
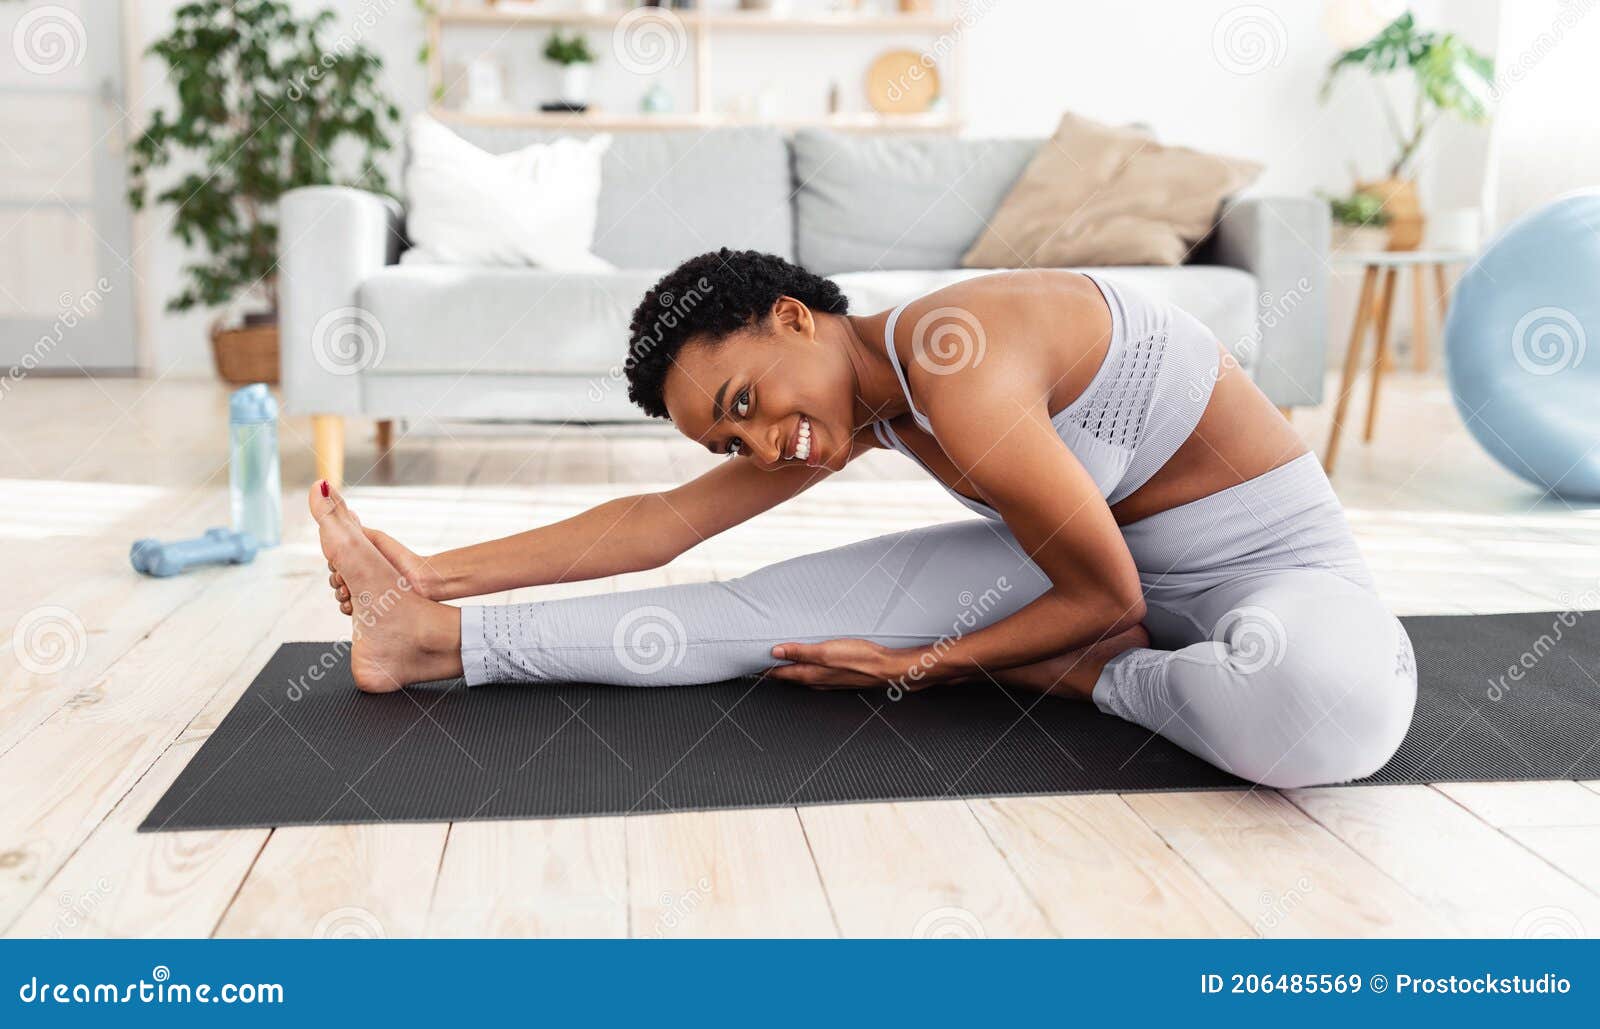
(1335, 684)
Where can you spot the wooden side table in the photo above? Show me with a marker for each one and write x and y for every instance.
(1374, 309)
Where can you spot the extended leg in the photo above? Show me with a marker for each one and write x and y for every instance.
(901, 590)
(1292, 678)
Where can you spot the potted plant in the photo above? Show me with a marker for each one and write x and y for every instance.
(1450, 78)
(261, 107)
(572, 53)
(1359, 221)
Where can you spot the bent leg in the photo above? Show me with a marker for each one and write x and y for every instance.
(1293, 678)
(905, 589)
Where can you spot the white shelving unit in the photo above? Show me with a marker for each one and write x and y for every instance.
(700, 27)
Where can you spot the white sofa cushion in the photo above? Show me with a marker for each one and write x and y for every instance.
(435, 318)
(532, 206)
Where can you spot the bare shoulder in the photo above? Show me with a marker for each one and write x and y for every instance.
(1017, 331)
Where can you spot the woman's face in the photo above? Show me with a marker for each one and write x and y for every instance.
(774, 393)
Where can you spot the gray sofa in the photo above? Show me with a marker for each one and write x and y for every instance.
(367, 335)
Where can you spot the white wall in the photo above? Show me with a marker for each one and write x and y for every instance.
(1208, 73)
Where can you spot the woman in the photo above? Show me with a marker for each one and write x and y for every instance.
(1155, 537)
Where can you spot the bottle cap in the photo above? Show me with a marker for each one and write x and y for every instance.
(253, 403)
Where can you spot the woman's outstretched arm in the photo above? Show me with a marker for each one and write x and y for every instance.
(628, 534)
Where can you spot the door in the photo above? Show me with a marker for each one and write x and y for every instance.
(66, 288)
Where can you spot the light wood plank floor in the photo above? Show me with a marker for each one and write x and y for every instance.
(109, 683)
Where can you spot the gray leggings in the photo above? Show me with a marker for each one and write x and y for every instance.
(1272, 657)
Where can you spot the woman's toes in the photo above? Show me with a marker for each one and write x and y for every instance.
(324, 500)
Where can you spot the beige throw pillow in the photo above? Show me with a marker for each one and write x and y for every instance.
(1097, 195)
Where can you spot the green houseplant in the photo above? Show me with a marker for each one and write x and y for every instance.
(572, 53)
(265, 99)
(1449, 78)
(1359, 221)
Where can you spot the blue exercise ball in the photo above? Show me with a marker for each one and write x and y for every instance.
(1516, 346)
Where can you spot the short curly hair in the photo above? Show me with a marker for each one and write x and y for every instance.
(708, 298)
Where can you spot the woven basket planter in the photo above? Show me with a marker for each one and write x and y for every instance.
(246, 354)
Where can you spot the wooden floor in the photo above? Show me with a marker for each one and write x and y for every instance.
(110, 682)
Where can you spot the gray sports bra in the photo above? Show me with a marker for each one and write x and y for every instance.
(1142, 404)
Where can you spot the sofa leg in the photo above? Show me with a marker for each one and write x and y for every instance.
(327, 438)
(1286, 411)
(385, 437)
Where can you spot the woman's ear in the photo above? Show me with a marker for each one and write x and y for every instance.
(790, 315)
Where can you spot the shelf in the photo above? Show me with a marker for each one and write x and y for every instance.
(750, 21)
(602, 121)
(700, 30)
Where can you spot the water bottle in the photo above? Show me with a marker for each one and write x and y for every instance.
(253, 483)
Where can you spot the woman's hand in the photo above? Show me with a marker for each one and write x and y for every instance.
(413, 566)
(850, 664)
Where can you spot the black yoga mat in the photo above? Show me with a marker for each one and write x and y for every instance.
(305, 748)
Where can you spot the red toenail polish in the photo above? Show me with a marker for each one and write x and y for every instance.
(324, 487)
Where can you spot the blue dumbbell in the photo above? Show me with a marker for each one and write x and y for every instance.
(217, 546)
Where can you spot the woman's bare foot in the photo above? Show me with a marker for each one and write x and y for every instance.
(416, 569)
(399, 638)
(1074, 673)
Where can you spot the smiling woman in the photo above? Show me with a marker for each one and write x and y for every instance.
(792, 404)
(1154, 535)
